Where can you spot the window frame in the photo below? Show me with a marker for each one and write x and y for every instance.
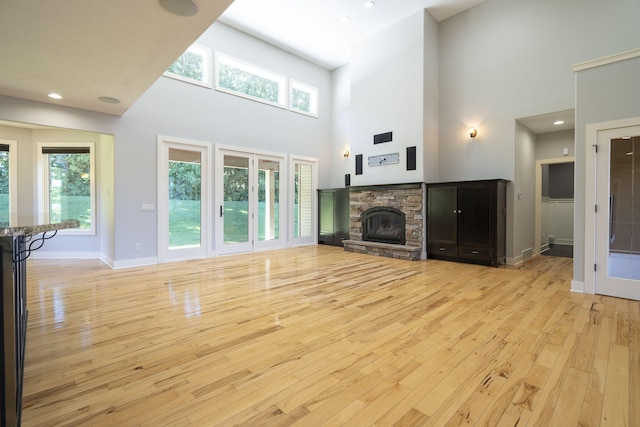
(311, 90)
(203, 51)
(43, 178)
(253, 69)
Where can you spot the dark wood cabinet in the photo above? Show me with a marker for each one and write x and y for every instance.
(333, 216)
(466, 221)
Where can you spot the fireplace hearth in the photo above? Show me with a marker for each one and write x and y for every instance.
(383, 224)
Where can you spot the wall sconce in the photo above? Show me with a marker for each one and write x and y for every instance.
(346, 153)
(473, 132)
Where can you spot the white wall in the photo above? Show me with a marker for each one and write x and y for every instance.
(387, 95)
(524, 186)
(505, 59)
(341, 126)
(551, 145)
(178, 109)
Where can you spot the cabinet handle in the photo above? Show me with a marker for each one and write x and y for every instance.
(442, 249)
(455, 211)
(459, 211)
(475, 252)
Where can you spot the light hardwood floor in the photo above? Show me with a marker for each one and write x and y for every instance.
(317, 336)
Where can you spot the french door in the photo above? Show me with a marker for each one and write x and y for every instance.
(249, 194)
(183, 199)
(618, 213)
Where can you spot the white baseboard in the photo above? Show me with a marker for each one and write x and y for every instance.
(577, 286)
(40, 254)
(514, 262)
(136, 262)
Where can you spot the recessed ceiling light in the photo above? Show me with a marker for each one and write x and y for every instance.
(55, 96)
(369, 4)
(345, 18)
(558, 122)
(180, 7)
(109, 100)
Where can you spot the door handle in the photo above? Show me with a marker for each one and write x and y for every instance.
(221, 211)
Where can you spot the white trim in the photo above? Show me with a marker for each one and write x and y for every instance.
(134, 262)
(577, 286)
(606, 60)
(40, 254)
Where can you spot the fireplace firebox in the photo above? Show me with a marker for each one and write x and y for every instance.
(384, 225)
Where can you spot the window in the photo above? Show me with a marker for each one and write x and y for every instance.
(246, 80)
(8, 181)
(66, 188)
(193, 66)
(304, 99)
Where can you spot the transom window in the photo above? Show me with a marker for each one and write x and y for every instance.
(67, 184)
(304, 98)
(249, 81)
(193, 66)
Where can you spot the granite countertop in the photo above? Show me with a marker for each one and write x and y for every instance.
(29, 227)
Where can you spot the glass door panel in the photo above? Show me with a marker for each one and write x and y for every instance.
(624, 212)
(185, 190)
(236, 199)
(618, 213)
(268, 200)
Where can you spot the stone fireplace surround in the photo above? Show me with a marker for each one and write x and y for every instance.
(408, 198)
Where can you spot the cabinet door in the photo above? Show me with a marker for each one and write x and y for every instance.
(326, 214)
(442, 224)
(341, 212)
(476, 211)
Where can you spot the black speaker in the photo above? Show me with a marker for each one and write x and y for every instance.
(411, 158)
(358, 164)
(347, 179)
(382, 137)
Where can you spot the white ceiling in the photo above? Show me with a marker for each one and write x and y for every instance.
(314, 30)
(87, 49)
(544, 123)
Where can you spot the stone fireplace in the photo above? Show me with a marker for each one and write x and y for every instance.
(377, 213)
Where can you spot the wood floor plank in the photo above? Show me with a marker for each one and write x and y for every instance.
(318, 336)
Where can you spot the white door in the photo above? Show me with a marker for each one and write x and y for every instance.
(249, 196)
(617, 239)
(183, 200)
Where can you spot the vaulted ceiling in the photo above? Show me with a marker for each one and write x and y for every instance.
(102, 55)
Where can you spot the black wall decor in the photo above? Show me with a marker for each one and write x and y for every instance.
(358, 164)
(382, 137)
(411, 158)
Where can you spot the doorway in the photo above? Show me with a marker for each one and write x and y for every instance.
(250, 195)
(554, 207)
(183, 199)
